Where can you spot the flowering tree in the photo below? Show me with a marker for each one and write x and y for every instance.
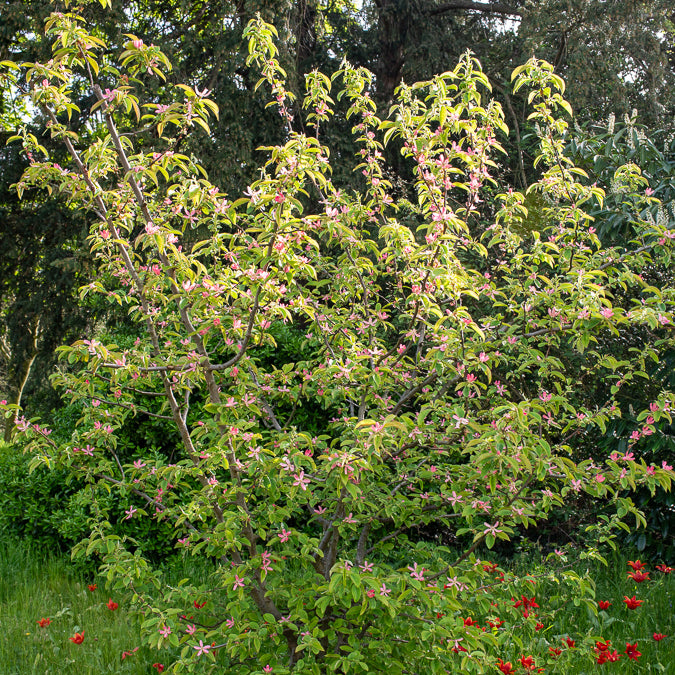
(439, 377)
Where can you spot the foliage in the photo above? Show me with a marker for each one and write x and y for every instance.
(601, 151)
(615, 55)
(436, 376)
(35, 587)
(38, 507)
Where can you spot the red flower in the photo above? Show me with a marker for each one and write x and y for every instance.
(632, 603)
(639, 576)
(604, 604)
(505, 668)
(659, 636)
(602, 646)
(555, 651)
(664, 568)
(527, 662)
(569, 642)
(198, 605)
(470, 622)
(43, 623)
(539, 626)
(526, 602)
(636, 565)
(496, 623)
(111, 605)
(159, 666)
(632, 652)
(605, 655)
(78, 639)
(92, 587)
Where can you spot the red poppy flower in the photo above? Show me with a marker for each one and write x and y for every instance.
(527, 662)
(92, 587)
(569, 642)
(664, 568)
(43, 623)
(632, 603)
(636, 565)
(78, 639)
(659, 636)
(526, 602)
(198, 605)
(639, 576)
(604, 604)
(505, 668)
(111, 605)
(632, 652)
(159, 666)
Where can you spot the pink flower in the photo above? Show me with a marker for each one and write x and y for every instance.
(301, 481)
(202, 648)
(165, 631)
(415, 574)
(284, 535)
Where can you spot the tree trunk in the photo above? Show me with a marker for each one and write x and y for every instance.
(18, 377)
(392, 27)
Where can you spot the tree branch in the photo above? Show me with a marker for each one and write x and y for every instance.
(487, 8)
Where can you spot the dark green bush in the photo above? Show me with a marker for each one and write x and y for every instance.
(39, 507)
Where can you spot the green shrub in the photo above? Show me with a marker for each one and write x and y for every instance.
(42, 506)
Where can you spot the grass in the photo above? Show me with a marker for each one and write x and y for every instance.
(35, 586)
(617, 623)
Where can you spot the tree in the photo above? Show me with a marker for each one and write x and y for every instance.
(434, 331)
(614, 54)
(40, 270)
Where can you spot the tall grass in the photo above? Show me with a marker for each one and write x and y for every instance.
(35, 586)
